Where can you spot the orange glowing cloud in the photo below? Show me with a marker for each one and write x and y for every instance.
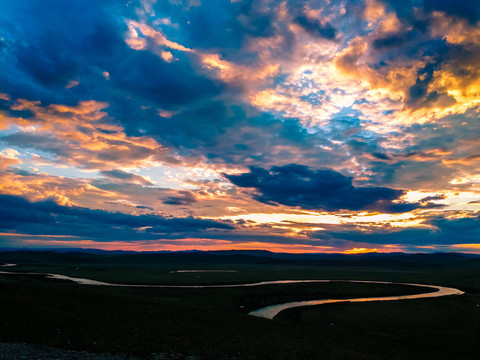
(351, 68)
(231, 72)
(455, 94)
(217, 67)
(64, 191)
(9, 157)
(156, 37)
(96, 144)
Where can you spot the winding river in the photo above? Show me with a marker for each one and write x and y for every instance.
(269, 312)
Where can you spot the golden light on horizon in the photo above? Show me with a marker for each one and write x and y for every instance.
(360, 250)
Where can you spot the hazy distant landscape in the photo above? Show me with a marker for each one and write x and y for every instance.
(212, 323)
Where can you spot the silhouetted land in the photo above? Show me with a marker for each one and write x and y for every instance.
(213, 324)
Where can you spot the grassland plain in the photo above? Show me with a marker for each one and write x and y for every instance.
(212, 323)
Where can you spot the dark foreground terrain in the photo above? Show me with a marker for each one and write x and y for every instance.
(38, 352)
(62, 320)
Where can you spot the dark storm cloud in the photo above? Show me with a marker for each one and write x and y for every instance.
(435, 197)
(5, 106)
(167, 85)
(125, 176)
(196, 126)
(381, 156)
(464, 9)
(182, 198)
(46, 49)
(298, 185)
(421, 93)
(388, 42)
(49, 218)
(218, 23)
(314, 27)
(80, 41)
(46, 142)
(143, 207)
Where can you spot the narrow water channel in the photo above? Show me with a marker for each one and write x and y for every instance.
(269, 312)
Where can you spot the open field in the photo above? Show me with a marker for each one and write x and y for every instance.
(212, 323)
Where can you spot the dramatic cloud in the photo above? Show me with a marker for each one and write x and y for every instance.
(297, 185)
(49, 218)
(126, 177)
(183, 198)
(140, 107)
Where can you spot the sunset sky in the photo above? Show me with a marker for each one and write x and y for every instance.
(282, 125)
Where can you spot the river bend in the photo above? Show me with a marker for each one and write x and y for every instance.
(269, 312)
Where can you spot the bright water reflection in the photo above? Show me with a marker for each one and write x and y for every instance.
(269, 312)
